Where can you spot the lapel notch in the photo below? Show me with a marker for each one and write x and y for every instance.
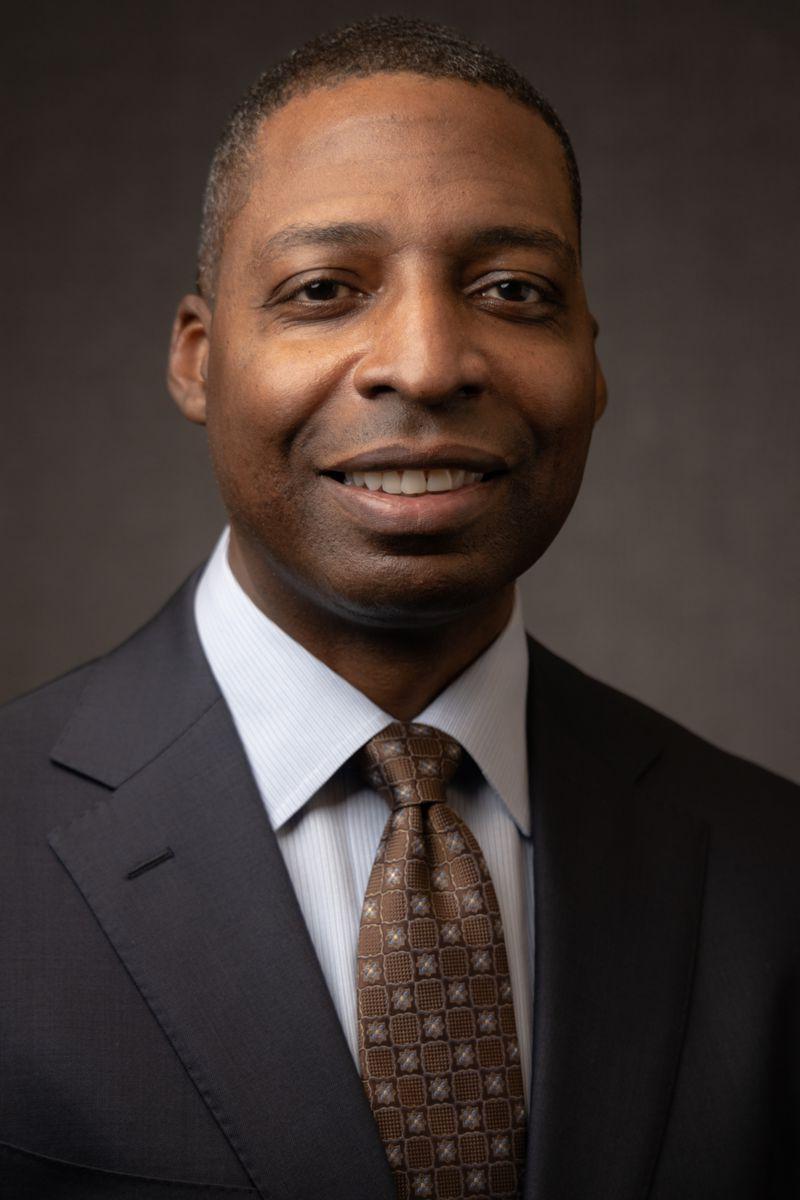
(182, 870)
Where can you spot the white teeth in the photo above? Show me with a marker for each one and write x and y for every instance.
(413, 482)
(440, 480)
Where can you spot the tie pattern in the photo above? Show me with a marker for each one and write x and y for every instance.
(438, 1041)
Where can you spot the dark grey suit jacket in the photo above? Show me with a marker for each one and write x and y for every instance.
(165, 1029)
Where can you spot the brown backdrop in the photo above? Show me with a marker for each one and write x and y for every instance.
(676, 576)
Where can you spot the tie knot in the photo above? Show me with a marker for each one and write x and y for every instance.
(410, 764)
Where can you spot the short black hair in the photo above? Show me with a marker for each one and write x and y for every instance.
(388, 44)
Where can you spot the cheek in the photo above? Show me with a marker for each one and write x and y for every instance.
(561, 402)
(261, 404)
(268, 408)
(558, 410)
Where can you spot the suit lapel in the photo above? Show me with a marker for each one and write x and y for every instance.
(184, 874)
(618, 880)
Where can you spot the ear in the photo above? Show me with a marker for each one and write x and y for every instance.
(188, 357)
(600, 388)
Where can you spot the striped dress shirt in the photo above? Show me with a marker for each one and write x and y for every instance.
(300, 724)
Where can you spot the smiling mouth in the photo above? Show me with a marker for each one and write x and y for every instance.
(411, 481)
(403, 490)
(405, 470)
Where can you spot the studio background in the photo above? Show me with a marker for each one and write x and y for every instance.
(676, 576)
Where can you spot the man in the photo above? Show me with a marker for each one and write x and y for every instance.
(569, 966)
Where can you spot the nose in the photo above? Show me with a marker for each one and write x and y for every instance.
(421, 349)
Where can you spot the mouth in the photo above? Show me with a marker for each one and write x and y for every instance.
(404, 471)
(412, 481)
(399, 490)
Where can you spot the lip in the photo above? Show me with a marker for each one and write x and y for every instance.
(428, 513)
(400, 456)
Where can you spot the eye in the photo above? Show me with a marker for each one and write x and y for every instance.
(320, 291)
(519, 291)
(315, 298)
(515, 297)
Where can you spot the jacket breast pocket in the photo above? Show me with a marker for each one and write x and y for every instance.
(28, 1176)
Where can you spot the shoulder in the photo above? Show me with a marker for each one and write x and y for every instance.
(127, 701)
(36, 719)
(711, 781)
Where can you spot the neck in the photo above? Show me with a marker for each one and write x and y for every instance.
(401, 669)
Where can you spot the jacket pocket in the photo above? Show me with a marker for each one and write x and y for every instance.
(25, 1175)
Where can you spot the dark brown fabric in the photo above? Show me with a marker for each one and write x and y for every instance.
(439, 1051)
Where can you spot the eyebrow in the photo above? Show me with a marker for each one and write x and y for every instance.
(528, 237)
(343, 233)
(354, 234)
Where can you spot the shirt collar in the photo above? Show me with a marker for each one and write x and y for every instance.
(485, 709)
(299, 721)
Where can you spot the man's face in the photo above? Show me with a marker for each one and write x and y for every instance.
(399, 302)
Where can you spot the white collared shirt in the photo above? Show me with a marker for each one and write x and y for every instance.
(300, 723)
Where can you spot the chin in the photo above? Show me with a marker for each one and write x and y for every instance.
(409, 593)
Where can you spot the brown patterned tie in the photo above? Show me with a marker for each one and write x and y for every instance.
(439, 1051)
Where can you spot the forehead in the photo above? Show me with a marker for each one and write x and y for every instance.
(422, 157)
